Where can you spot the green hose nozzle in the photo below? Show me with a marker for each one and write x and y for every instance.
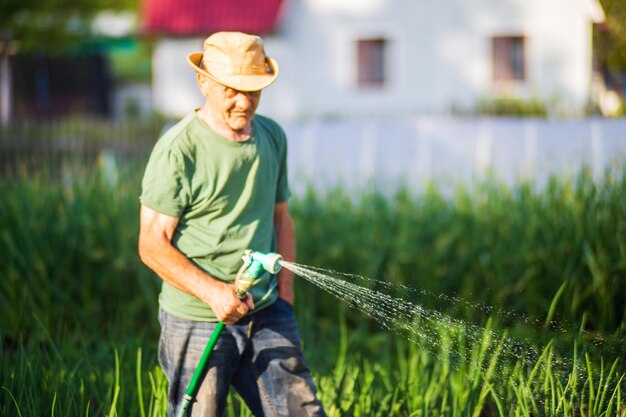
(253, 265)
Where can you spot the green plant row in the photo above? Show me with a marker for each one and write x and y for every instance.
(69, 260)
(79, 330)
(550, 256)
(555, 255)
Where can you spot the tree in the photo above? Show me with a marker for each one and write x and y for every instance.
(47, 27)
(52, 25)
(610, 38)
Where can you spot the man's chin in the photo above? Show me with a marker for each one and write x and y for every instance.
(239, 124)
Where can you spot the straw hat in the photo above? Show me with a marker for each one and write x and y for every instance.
(236, 60)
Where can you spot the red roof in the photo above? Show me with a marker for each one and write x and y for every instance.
(203, 17)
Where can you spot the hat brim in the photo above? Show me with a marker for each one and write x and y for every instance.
(238, 82)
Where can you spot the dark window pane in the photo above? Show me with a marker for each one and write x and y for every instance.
(371, 62)
(508, 58)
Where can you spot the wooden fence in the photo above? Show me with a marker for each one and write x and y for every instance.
(356, 154)
(53, 146)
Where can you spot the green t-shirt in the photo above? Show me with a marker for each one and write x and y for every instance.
(224, 194)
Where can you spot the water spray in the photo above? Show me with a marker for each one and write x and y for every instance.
(253, 265)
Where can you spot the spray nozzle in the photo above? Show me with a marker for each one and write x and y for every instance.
(271, 262)
(253, 265)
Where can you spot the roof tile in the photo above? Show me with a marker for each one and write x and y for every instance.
(202, 17)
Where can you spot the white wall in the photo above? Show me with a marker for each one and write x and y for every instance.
(175, 92)
(562, 40)
(439, 55)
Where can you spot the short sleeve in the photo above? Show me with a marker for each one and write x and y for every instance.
(164, 187)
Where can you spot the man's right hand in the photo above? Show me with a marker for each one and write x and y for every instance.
(225, 304)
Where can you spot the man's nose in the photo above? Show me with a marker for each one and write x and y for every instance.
(243, 99)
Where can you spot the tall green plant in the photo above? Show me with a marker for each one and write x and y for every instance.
(78, 307)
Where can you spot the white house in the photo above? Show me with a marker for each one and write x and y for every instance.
(370, 58)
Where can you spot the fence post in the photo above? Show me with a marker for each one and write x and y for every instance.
(367, 154)
(484, 139)
(530, 148)
(597, 151)
(422, 171)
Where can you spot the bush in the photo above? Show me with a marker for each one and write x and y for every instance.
(512, 106)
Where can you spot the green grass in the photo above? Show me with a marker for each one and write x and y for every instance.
(545, 267)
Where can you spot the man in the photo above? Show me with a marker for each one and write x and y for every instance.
(216, 185)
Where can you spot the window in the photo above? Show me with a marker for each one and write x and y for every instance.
(371, 62)
(508, 58)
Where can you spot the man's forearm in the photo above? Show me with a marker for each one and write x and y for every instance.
(177, 270)
(286, 246)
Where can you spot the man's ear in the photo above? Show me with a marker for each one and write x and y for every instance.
(203, 84)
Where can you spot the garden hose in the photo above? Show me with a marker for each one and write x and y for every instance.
(253, 264)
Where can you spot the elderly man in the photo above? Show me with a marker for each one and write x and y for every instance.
(215, 185)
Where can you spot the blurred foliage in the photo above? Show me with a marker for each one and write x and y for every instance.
(512, 106)
(610, 37)
(130, 59)
(51, 25)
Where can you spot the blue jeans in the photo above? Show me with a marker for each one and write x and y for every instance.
(260, 356)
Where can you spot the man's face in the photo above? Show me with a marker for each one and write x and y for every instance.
(229, 106)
